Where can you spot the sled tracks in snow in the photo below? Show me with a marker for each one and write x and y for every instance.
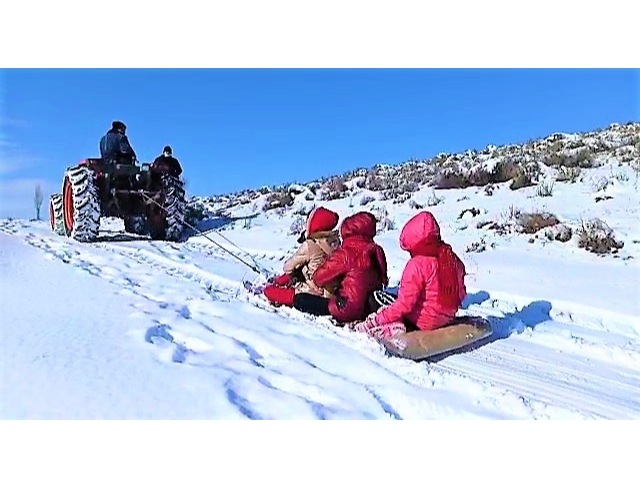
(592, 374)
(591, 388)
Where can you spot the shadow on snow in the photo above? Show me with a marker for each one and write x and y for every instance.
(518, 321)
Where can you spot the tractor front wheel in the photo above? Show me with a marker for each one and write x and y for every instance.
(56, 214)
(136, 225)
(168, 223)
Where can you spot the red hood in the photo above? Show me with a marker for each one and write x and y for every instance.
(362, 224)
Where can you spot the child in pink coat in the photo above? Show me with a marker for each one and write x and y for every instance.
(431, 288)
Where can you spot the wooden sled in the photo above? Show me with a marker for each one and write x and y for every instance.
(418, 345)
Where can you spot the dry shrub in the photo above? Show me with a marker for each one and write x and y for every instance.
(545, 189)
(603, 198)
(452, 180)
(480, 177)
(477, 247)
(534, 222)
(582, 158)
(334, 189)
(522, 180)
(401, 198)
(474, 212)
(373, 182)
(569, 174)
(484, 223)
(279, 199)
(512, 213)
(504, 170)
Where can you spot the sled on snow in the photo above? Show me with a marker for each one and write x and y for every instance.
(423, 344)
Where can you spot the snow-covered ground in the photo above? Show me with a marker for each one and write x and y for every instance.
(130, 328)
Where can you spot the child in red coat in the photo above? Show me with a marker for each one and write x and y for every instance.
(432, 285)
(355, 269)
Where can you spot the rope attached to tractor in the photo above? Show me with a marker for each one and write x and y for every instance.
(254, 268)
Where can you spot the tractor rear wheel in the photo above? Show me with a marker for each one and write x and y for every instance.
(81, 204)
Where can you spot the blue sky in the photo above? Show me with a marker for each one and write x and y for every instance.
(243, 128)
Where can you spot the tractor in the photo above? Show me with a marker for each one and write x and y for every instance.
(147, 197)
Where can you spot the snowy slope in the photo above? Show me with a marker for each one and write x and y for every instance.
(131, 328)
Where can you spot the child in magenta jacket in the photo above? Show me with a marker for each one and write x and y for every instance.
(431, 288)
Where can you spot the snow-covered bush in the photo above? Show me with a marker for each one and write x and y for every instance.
(434, 199)
(559, 232)
(195, 212)
(298, 225)
(597, 237)
(384, 221)
(599, 184)
(304, 209)
(366, 199)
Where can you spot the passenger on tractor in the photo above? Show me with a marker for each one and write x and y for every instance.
(115, 146)
(167, 160)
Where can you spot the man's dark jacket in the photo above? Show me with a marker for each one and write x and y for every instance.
(170, 162)
(116, 146)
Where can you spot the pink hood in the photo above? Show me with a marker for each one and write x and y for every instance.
(422, 228)
(432, 284)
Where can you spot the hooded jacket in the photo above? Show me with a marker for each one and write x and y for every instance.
(432, 285)
(355, 269)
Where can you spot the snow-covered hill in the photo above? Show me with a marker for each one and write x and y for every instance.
(132, 328)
